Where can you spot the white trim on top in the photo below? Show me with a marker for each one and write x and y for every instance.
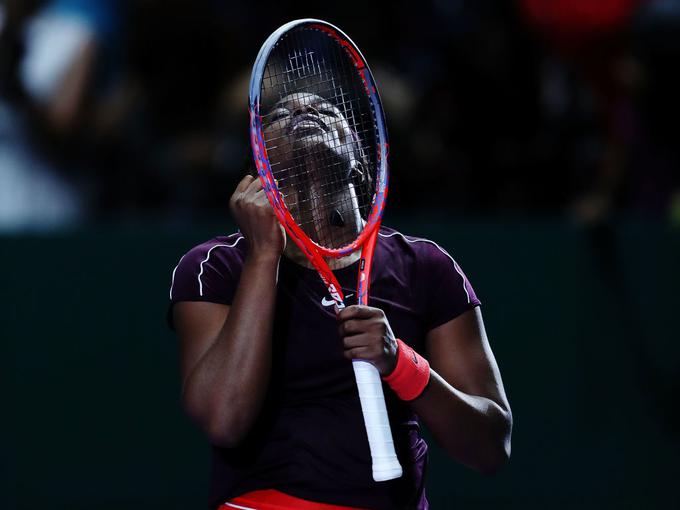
(455, 264)
(200, 283)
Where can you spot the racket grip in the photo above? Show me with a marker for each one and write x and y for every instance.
(385, 463)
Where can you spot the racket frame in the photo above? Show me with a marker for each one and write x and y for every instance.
(314, 252)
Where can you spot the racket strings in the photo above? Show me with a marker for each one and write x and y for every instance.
(351, 107)
(324, 165)
(308, 63)
(339, 97)
(322, 197)
(291, 174)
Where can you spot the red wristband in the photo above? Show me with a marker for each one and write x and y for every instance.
(411, 375)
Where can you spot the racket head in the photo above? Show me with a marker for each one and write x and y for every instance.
(298, 66)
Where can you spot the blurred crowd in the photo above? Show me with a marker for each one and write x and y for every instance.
(137, 109)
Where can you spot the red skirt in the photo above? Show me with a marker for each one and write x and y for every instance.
(271, 499)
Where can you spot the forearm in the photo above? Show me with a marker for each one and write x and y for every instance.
(474, 430)
(225, 390)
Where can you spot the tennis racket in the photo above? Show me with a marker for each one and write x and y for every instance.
(319, 143)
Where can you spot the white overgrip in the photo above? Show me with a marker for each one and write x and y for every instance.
(385, 463)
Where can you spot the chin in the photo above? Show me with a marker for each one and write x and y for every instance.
(321, 145)
(311, 142)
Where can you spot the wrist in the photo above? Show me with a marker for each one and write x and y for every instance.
(411, 373)
(263, 257)
(391, 364)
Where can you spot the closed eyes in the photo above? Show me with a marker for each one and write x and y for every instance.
(329, 112)
(323, 109)
(327, 109)
(279, 114)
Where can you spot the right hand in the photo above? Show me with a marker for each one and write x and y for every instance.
(256, 219)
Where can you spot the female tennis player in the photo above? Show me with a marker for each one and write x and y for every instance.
(266, 361)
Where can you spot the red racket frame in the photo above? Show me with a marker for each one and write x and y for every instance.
(368, 236)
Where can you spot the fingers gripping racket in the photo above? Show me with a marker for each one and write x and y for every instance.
(320, 147)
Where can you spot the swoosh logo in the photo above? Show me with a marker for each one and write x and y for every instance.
(331, 302)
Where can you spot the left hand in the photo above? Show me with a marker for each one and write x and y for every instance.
(366, 335)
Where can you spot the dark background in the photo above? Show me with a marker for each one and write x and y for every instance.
(534, 140)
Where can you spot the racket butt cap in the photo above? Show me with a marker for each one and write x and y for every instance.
(388, 471)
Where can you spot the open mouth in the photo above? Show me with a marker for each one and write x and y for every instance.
(307, 126)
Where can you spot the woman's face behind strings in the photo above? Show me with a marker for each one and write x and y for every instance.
(303, 121)
(313, 152)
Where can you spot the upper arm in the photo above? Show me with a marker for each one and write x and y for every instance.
(198, 324)
(459, 351)
(201, 290)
